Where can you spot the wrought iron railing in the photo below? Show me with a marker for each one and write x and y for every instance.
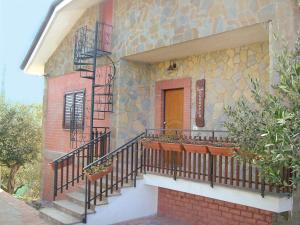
(214, 169)
(126, 162)
(68, 169)
(133, 158)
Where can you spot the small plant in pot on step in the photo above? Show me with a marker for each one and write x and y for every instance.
(96, 172)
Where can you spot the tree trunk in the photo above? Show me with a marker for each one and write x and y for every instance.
(11, 179)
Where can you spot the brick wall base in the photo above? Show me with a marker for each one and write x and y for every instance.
(198, 210)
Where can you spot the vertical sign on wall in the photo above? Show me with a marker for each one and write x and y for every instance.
(200, 101)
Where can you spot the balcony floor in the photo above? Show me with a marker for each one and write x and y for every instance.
(153, 220)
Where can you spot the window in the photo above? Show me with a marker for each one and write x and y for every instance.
(74, 110)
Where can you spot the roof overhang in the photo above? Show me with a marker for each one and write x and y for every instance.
(61, 17)
(229, 39)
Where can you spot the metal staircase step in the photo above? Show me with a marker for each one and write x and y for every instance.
(102, 111)
(58, 217)
(84, 57)
(87, 77)
(105, 103)
(103, 85)
(84, 70)
(83, 64)
(104, 94)
(72, 208)
(99, 118)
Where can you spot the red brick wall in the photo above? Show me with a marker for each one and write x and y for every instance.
(56, 138)
(198, 210)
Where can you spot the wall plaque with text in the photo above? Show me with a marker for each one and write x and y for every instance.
(200, 101)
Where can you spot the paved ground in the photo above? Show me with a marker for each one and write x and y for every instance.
(154, 220)
(16, 212)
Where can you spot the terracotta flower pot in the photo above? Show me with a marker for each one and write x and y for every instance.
(96, 176)
(151, 144)
(176, 147)
(222, 150)
(60, 164)
(196, 148)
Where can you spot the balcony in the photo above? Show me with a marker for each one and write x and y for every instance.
(204, 156)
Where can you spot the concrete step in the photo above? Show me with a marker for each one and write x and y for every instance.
(71, 208)
(57, 217)
(125, 185)
(79, 198)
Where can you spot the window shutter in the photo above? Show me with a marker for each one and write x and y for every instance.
(74, 110)
(68, 110)
(79, 109)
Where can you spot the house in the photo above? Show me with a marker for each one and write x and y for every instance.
(117, 71)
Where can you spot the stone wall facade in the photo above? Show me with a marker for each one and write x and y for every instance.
(151, 24)
(226, 73)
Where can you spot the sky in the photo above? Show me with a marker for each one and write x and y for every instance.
(19, 23)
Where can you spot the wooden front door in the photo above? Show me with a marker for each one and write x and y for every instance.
(173, 119)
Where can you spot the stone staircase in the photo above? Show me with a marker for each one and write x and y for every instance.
(71, 209)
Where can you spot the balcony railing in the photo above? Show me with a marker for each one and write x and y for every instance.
(134, 158)
(206, 167)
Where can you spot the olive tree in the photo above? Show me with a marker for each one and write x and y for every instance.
(268, 128)
(20, 137)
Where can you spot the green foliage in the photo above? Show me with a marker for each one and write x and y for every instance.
(269, 128)
(28, 176)
(20, 143)
(20, 133)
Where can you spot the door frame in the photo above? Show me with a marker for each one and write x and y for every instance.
(160, 87)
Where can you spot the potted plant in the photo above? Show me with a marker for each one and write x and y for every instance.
(61, 164)
(222, 148)
(151, 143)
(171, 143)
(196, 146)
(98, 171)
(168, 146)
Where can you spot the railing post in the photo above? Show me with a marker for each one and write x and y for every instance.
(109, 136)
(136, 161)
(263, 187)
(211, 169)
(55, 180)
(174, 164)
(85, 202)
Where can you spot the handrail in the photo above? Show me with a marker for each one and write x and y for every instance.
(124, 169)
(110, 153)
(193, 130)
(80, 147)
(68, 169)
